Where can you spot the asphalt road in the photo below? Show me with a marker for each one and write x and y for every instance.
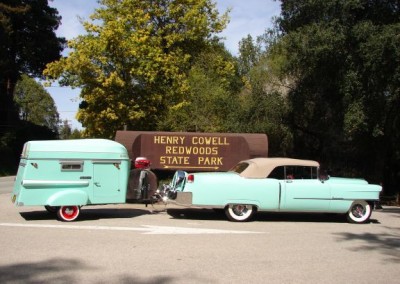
(134, 244)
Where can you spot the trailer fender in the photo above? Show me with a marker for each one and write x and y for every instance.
(68, 197)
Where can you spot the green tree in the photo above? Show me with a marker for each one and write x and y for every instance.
(66, 132)
(27, 43)
(263, 99)
(76, 134)
(212, 100)
(133, 63)
(35, 104)
(249, 54)
(343, 58)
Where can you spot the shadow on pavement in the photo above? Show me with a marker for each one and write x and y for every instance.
(385, 243)
(64, 271)
(218, 215)
(197, 214)
(51, 271)
(89, 214)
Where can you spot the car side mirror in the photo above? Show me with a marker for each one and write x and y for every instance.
(323, 178)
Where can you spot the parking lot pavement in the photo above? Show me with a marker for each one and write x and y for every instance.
(131, 243)
(6, 184)
(7, 178)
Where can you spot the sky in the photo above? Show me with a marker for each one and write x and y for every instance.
(246, 17)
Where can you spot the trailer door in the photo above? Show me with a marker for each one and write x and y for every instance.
(106, 185)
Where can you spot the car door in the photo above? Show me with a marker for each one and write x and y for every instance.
(303, 191)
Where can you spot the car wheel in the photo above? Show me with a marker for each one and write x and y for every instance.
(51, 209)
(68, 213)
(239, 212)
(359, 212)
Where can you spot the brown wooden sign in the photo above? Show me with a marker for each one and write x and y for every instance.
(193, 151)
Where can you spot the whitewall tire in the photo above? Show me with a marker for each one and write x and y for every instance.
(239, 212)
(68, 213)
(360, 212)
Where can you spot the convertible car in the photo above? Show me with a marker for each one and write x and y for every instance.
(274, 184)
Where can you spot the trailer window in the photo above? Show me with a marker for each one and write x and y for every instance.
(71, 166)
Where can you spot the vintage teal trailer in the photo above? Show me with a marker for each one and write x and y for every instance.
(64, 175)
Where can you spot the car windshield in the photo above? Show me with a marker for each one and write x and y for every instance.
(239, 168)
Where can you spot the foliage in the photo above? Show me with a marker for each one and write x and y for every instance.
(263, 99)
(66, 132)
(8, 164)
(132, 64)
(76, 134)
(343, 58)
(211, 100)
(35, 104)
(249, 55)
(27, 43)
(12, 142)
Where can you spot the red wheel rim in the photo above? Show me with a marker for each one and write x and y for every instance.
(69, 212)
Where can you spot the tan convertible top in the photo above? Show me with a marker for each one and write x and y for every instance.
(262, 167)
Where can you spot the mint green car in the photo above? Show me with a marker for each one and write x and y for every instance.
(276, 185)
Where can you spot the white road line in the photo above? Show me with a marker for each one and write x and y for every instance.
(145, 229)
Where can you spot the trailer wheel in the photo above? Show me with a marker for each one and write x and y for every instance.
(68, 213)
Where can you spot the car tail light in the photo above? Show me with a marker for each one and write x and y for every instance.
(190, 178)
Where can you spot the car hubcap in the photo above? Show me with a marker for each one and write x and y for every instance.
(358, 211)
(240, 210)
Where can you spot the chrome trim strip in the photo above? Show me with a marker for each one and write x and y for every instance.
(334, 199)
(75, 159)
(106, 161)
(53, 183)
(280, 196)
